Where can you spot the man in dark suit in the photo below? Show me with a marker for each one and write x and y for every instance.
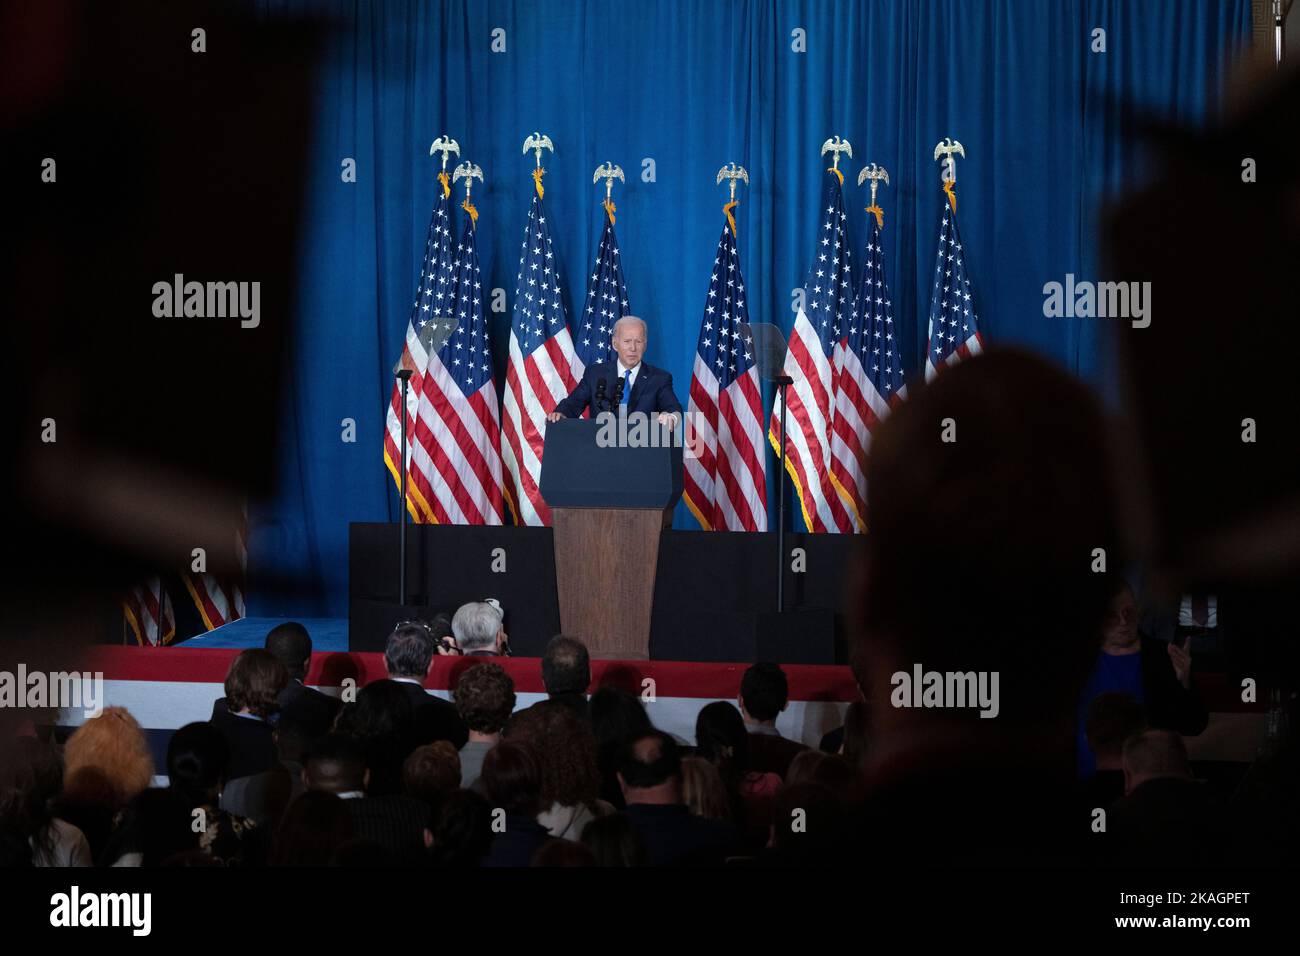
(336, 764)
(650, 775)
(626, 381)
(764, 693)
(566, 674)
(1166, 817)
(300, 706)
(408, 657)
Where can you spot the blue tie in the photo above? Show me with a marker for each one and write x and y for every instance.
(627, 387)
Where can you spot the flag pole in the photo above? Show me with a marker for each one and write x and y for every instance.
(782, 381)
(404, 374)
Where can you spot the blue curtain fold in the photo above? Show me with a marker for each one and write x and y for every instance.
(691, 85)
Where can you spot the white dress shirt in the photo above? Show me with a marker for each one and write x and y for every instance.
(629, 376)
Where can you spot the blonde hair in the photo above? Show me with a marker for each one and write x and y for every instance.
(107, 760)
(703, 790)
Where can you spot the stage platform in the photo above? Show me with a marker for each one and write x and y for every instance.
(328, 634)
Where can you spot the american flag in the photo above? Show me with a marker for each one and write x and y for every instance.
(725, 481)
(219, 601)
(869, 377)
(543, 368)
(149, 613)
(220, 598)
(433, 300)
(459, 420)
(954, 327)
(828, 292)
(606, 301)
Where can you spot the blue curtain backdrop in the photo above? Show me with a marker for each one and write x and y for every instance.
(692, 85)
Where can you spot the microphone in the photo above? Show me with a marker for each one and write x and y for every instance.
(618, 390)
(600, 394)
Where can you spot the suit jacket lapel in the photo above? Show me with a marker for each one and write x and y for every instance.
(636, 385)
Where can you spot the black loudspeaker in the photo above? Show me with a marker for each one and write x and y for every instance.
(803, 636)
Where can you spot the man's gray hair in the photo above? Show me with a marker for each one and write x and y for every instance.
(645, 329)
(475, 626)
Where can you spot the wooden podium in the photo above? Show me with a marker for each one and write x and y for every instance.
(608, 507)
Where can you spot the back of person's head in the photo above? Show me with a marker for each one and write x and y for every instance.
(993, 484)
(650, 759)
(291, 645)
(1155, 754)
(485, 697)
(565, 749)
(432, 771)
(461, 830)
(315, 825)
(254, 682)
(512, 779)
(381, 710)
(614, 841)
(703, 791)
(46, 763)
(809, 823)
(410, 650)
(566, 666)
(721, 739)
(160, 824)
(106, 761)
(841, 777)
(616, 715)
(382, 720)
(197, 756)
(476, 626)
(24, 812)
(764, 691)
(335, 763)
(555, 852)
(804, 766)
(1109, 720)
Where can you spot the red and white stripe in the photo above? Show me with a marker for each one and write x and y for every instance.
(168, 690)
(808, 429)
(220, 600)
(419, 480)
(149, 613)
(859, 408)
(725, 480)
(535, 383)
(972, 346)
(457, 446)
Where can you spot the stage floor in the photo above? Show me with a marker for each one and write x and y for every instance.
(328, 634)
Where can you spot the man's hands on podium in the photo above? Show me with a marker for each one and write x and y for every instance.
(665, 418)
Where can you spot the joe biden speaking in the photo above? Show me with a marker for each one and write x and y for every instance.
(627, 381)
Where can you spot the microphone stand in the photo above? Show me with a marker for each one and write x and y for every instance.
(405, 375)
(782, 382)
